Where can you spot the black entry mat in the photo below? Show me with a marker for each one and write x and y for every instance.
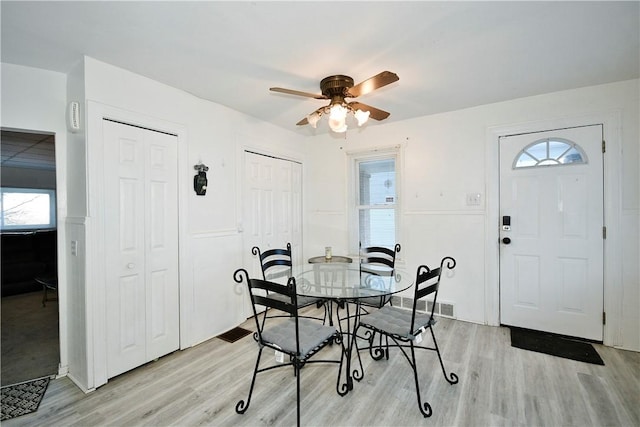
(234, 334)
(23, 398)
(555, 345)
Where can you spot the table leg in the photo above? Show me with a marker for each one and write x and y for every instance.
(350, 341)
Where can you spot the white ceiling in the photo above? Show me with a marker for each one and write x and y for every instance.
(448, 55)
(27, 150)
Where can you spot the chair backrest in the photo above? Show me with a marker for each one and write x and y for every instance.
(275, 263)
(428, 282)
(374, 258)
(270, 298)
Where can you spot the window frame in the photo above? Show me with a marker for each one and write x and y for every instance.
(549, 161)
(354, 207)
(51, 225)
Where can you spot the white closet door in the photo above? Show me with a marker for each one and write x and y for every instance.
(272, 209)
(141, 254)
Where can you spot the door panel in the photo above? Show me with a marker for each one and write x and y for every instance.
(162, 245)
(551, 273)
(527, 281)
(272, 210)
(141, 246)
(131, 320)
(124, 252)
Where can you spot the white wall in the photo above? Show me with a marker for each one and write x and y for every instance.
(445, 157)
(35, 100)
(210, 243)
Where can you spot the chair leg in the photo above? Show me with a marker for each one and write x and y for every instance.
(451, 378)
(379, 352)
(241, 407)
(386, 349)
(425, 408)
(358, 372)
(297, 368)
(376, 353)
(327, 311)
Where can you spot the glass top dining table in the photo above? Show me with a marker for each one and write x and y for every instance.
(344, 285)
(348, 282)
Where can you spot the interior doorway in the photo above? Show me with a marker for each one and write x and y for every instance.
(29, 321)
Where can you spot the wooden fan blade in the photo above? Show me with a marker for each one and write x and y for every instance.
(373, 83)
(297, 92)
(374, 112)
(302, 122)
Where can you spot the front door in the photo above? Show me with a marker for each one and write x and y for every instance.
(551, 220)
(141, 250)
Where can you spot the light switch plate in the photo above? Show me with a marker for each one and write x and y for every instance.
(474, 199)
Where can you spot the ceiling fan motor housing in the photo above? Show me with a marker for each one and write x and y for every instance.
(336, 87)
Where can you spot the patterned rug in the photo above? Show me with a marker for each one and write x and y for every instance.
(23, 398)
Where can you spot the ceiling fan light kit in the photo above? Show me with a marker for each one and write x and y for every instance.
(336, 89)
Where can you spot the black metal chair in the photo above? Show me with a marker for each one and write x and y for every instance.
(405, 328)
(380, 261)
(298, 338)
(377, 261)
(276, 265)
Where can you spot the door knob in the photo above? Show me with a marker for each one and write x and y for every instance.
(506, 240)
(131, 265)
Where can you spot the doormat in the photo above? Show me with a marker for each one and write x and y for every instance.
(555, 345)
(23, 398)
(234, 334)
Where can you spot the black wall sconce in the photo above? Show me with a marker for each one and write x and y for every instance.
(200, 180)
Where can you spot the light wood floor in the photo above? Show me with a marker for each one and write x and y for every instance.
(499, 385)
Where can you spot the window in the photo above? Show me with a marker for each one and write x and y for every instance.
(550, 152)
(375, 207)
(27, 208)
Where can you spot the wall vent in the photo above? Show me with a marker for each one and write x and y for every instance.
(445, 308)
(407, 303)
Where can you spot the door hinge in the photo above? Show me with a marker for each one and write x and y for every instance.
(604, 232)
(604, 318)
(604, 146)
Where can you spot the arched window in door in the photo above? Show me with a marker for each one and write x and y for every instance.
(550, 152)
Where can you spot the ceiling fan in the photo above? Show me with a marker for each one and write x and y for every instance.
(336, 89)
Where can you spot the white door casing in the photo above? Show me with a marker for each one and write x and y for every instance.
(551, 274)
(141, 220)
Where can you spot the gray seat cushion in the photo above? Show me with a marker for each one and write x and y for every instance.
(395, 321)
(302, 300)
(312, 334)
